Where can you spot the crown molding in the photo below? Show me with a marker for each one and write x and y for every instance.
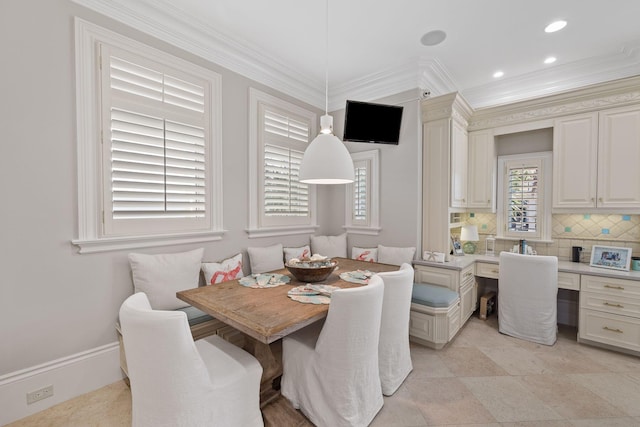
(561, 78)
(164, 21)
(374, 86)
(435, 78)
(617, 93)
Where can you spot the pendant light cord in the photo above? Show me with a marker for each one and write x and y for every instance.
(326, 65)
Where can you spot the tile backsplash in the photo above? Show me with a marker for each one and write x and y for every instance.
(568, 230)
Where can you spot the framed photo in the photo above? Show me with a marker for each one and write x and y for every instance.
(457, 247)
(611, 257)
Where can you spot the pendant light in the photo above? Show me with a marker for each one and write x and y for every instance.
(326, 160)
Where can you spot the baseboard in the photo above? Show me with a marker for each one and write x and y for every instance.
(70, 376)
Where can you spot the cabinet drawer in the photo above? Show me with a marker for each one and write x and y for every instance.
(437, 276)
(610, 286)
(569, 281)
(485, 269)
(610, 304)
(606, 328)
(467, 275)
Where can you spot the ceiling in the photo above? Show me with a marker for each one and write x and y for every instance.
(375, 49)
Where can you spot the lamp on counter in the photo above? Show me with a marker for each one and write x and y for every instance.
(326, 160)
(469, 235)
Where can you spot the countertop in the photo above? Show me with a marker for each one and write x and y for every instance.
(462, 262)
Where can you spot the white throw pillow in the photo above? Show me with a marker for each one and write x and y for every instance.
(161, 276)
(265, 259)
(228, 269)
(395, 256)
(301, 252)
(330, 246)
(364, 254)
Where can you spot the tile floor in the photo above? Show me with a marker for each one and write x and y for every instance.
(482, 378)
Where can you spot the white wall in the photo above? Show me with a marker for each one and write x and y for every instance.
(400, 179)
(58, 308)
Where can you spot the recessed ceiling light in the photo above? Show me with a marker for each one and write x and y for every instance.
(433, 38)
(555, 26)
(498, 74)
(550, 60)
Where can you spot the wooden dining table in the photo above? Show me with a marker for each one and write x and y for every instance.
(266, 315)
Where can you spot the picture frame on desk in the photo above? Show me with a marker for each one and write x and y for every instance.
(610, 257)
(457, 247)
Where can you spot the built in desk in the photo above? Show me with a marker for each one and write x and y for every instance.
(609, 300)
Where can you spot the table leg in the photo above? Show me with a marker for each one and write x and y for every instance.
(270, 357)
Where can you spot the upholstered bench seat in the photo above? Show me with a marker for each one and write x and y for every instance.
(435, 315)
(432, 295)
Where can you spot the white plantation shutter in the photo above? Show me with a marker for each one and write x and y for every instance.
(360, 199)
(523, 200)
(286, 127)
(156, 133)
(284, 194)
(285, 200)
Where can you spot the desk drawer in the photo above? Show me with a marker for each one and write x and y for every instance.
(619, 331)
(610, 304)
(485, 269)
(610, 286)
(569, 281)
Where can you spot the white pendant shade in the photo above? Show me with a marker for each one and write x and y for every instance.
(326, 161)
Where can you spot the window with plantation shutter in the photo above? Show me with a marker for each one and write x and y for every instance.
(360, 204)
(522, 189)
(362, 196)
(524, 212)
(279, 134)
(158, 121)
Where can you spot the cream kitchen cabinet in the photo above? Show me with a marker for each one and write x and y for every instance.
(459, 165)
(481, 182)
(575, 161)
(610, 312)
(444, 119)
(595, 160)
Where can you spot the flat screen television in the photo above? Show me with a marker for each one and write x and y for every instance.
(369, 122)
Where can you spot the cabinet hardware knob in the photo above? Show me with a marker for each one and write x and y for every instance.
(614, 287)
(606, 328)
(495, 271)
(613, 305)
(600, 199)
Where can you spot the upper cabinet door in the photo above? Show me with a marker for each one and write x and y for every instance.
(575, 159)
(619, 158)
(481, 182)
(459, 163)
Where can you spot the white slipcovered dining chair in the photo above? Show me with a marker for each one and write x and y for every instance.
(178, 382)
(330, 369)
(527, 297)
(394, 356)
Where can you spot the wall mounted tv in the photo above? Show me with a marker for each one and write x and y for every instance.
(368, 122)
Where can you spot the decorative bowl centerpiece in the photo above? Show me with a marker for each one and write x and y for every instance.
(314, 269)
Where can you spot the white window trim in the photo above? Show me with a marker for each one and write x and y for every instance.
(372, 159)
(255, 228)
(546, 186)
(87, 38)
